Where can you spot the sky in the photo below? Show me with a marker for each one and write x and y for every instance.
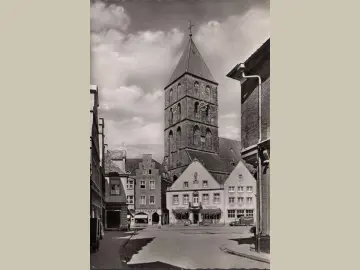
(135, 46)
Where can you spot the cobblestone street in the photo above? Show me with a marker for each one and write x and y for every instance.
(173, 247)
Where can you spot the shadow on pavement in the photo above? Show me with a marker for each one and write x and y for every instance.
(132, 247)
(264, 244)
(161, 265)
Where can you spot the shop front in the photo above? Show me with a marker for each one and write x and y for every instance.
(211, 216)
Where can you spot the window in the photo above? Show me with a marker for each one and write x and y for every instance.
(249, 213)
(240, 212)
(186, 199)
(142, 199)
(231, 189)
(240, 189)
(171, 116)
(130, 199)
(152, 184)
(152, 200)
(231, 213)
(216, 197)
(171, 96)
(130, 184)
(205, 184)
(142, 184)
(240, 177)
(186, 184)
(249, 200)
(205, 198)
(195, 178)
(175, 199)
(231, 199)
(196, 135)
(115, 187)
(149, 171)
(208, 139)
(196, 109)
(240, 199)
(249, 189)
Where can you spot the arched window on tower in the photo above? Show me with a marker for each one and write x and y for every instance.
(207, 93)
(207, 115)
(171, 117)
(179, 90)
(196, 109)
(196, 135)
(178, 137)
(170, 145)
(179, 112)
(170, 141)
(208, 139)
(196, 89)
(170, 96)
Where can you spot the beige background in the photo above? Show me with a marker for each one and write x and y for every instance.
(45, 149)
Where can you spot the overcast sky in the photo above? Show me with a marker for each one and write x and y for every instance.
(135, 46)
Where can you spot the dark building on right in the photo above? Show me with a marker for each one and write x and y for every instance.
(255, 123)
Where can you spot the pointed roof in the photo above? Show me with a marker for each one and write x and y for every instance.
(192, 62)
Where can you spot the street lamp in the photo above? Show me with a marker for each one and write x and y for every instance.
(238, 73)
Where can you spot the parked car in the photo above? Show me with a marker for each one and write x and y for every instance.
(205, 222)
(237, 222)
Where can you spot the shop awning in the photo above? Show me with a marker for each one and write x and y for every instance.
(180, 211)
(141, 216)
(214, 211)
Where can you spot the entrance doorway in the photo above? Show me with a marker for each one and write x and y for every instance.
(155, 218)
(196, 218)
(113, 219)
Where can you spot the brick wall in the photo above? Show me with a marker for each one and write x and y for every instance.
(142, 174)
(249, 116)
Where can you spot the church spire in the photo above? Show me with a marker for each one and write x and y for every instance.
(190, 26)
(191, 62)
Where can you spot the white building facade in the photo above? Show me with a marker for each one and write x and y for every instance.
(240, 195)
(196, 196)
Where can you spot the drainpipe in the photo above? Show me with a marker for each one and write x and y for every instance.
(259, 191)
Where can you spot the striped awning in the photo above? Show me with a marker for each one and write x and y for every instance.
(180, 211)
(214, 211)
(141, 216)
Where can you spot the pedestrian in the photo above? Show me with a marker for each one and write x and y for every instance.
(128, 225)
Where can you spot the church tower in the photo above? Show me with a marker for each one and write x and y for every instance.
(191, 111)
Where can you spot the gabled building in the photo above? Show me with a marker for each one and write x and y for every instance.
(116, 209)
(191, 120)
(96, 170)
(240, 194)
(149, 189)
(196, 196)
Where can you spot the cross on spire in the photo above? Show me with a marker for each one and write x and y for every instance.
(190, 26)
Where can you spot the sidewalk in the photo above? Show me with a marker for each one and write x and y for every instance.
(246, 251)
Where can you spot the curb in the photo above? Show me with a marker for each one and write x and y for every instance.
(252, 257)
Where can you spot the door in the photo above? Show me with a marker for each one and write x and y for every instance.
(196, 218)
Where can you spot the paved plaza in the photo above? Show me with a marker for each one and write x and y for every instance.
(192, 247)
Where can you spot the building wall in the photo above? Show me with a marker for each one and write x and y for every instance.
(143, 174)
(211, 205)
(240, 177)
(179, 133)
(195, 171)
(109, 198)
(129, 191)
(249, 116)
